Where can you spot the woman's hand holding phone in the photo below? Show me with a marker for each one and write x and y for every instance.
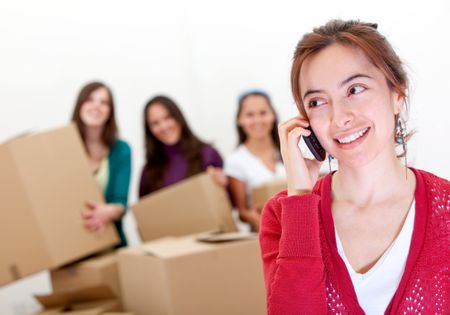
(301, 173)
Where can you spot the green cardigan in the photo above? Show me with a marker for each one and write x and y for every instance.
(119, 159)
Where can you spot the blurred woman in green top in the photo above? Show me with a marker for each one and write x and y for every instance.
(109, 157)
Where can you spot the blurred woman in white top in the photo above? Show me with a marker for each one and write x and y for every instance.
(257, 159)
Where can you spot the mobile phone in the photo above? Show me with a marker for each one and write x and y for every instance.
(314, 146)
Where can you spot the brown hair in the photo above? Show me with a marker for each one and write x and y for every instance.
(157, 161)
(110, 131)
(240, 131)
(357, 34)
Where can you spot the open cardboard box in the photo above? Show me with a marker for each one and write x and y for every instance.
(218, 274)
(95, 271)
(195, 205)
(87, 301)
(45, 181)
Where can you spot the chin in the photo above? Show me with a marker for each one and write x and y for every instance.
(355, 161)
(95, 124)
(170, 141)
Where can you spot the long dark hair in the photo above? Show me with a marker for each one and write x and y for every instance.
(156, 159)
(273, 133)
(110, 130)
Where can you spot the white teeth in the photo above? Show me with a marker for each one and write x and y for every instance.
(353, 137)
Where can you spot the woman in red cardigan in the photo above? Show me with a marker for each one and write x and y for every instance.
(372, 237)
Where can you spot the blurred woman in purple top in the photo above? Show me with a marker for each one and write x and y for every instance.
(173, 152)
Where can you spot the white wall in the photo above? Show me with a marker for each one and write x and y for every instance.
(203, 54)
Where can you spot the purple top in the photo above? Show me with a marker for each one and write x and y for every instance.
(178, 166)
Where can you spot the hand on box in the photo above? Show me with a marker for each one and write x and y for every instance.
(98, 215)
(217, 175)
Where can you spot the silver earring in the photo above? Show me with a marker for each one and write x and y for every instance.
(400, 134)
(399, 131)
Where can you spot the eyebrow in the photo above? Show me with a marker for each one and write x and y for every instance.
(349, 79)
(355, 76)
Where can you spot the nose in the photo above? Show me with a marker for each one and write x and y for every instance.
(342, 116)
(96, 105)
(164, 125)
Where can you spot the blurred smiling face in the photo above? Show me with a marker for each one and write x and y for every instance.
(349, 104)
(256, 117)
(162, 125)
(96, 111)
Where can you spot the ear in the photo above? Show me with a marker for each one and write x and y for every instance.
(399, 100)
(239, 121)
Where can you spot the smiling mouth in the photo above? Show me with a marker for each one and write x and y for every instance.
(353, 137)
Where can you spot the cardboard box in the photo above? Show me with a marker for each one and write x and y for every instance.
(194, 205)
(88, 301)
(96, 271)
(45, 181)
(261, 194)
(183, 276)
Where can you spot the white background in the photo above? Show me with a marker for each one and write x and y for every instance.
(203, 54)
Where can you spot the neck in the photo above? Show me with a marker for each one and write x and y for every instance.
(93, 135)
(378, 181)
(260, 144)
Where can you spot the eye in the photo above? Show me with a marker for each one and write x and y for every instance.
(356, 89)
(315, 102)
(249, 114)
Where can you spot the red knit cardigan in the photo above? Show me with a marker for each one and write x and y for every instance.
(304, 273)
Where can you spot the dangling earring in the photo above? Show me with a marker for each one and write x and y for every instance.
(400, 134)
(330, 157)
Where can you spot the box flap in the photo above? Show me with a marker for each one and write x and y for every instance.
(226, 237)
(180, 246)
(17, 136)
(174, 247)
(83, 295)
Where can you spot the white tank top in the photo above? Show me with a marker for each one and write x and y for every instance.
(376, 287)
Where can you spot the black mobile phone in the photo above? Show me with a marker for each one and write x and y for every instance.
(314, 146)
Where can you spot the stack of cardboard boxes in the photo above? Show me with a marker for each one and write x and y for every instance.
(46, 181)
(181, 272)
